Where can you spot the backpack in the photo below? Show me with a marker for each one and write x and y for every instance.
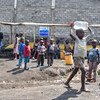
(93, 55)
(50, 49)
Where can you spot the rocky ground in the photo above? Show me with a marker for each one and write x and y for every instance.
(42, 83)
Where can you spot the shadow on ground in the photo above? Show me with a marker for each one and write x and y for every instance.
(71, 93)
(16, 71)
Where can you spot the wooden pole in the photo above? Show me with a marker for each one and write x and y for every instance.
(15, 14)
(35, 34)
(24, 33)
(11, 34)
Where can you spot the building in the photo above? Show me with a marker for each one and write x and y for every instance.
(42, 12)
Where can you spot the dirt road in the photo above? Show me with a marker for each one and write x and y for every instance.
(17, 84)
(52, 92)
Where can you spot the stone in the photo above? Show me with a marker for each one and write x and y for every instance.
(51, 72)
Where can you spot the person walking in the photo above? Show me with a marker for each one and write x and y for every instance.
(79, 55)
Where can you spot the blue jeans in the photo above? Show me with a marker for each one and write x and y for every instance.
(50, 59)
(57, 55)
(21, 57)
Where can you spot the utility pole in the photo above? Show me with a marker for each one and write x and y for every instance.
(15, 11)
(53, 17)
(53, 4)
(14, 19)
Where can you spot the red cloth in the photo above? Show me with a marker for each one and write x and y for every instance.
(27, 51)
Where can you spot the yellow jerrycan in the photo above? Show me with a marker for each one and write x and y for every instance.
(68, 59)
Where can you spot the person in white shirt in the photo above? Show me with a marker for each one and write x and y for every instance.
(79, 55)
(41, 49)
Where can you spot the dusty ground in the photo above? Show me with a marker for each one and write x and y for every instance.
(42, 84)
(11, 76)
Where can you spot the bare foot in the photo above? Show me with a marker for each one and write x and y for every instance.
(84, 90)
(67, 84)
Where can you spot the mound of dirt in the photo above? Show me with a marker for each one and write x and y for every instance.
(11, 76)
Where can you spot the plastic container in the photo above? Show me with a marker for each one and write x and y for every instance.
(62, 46)
(81, 25)
(62, 55)
(68, 59)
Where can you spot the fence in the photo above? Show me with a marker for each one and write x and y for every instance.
(35, 25)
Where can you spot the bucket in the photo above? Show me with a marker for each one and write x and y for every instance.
(62, 55)
(81, 25)
(68, 59)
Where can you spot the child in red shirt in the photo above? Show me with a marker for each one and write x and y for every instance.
(27, 54)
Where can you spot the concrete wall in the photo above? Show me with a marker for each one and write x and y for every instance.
(40, 11)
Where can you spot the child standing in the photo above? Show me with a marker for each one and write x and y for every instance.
(51, 52)
(16, 44)
(35, 49)
(27, 54)
(79, 55)
(21, 52)
(1, 37)
(68, 47)
(41, 53)
(57, 51)
(93, 61)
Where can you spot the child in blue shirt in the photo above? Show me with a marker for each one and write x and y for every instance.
(93, 61)
(21, 52)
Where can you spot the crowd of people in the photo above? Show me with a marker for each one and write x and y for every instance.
(22, 48)
(50, 49)
(46, 49)
(42, 49)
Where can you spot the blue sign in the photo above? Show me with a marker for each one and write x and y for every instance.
(44, 31)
